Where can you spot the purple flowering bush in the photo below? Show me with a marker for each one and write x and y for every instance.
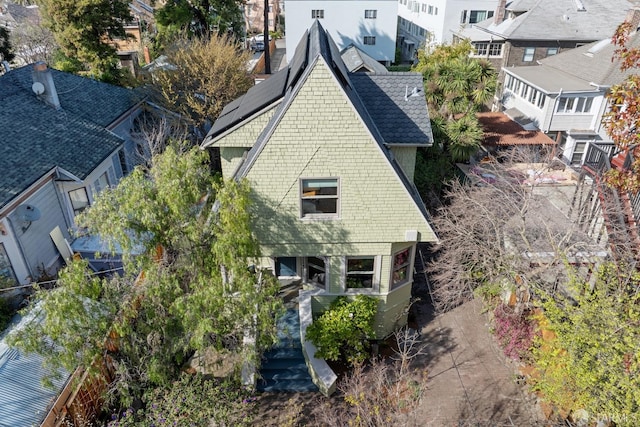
(515, 332)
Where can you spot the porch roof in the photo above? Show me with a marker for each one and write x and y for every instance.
(500, 130)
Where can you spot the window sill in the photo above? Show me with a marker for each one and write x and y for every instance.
(320, 217)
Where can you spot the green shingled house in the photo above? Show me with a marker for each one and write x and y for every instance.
(330, 157)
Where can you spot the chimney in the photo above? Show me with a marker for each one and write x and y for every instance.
(633, 16)
(500, 12)
(43, 85)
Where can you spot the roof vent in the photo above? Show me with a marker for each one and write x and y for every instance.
(580, 6)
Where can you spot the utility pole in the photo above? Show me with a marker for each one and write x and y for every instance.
(267, 56)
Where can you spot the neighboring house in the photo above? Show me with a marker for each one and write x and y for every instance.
(523, 32)
(65, 138)
(371, 25)
(30, 41)
(330, 158)
(434, 21)
(564, 96)
(254, 16)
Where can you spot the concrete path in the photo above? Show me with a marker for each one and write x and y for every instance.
(470, 382)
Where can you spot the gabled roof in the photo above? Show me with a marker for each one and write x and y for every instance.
(557, 20)
(38, 138)
(580, 69)
(357, 60)
(379, 97)
(593, 62)
(385, 98)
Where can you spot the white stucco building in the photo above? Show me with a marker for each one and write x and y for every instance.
(371, 25)
(434, 21)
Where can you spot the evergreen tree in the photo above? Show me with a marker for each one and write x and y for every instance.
(85, 31)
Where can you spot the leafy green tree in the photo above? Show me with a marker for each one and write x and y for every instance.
(190, 238)
(5, 45)
(207, 74)
(589, 356)
(201, 17)
(85, 29)
(456, 87)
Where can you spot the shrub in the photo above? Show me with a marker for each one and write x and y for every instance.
(515, 332)
(344, 329)
(193, 400)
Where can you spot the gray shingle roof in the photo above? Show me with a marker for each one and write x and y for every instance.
(593, 62)
(400, 117)
(560, 20)
(38, 138)
(577, 69)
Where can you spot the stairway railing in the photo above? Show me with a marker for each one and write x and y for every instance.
(597, 162)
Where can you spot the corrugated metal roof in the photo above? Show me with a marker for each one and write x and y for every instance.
(24, 400)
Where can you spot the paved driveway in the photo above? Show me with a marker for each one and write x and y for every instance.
(470, 382)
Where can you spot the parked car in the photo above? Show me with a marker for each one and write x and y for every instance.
(256, 43)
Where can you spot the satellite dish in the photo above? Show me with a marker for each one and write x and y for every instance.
(37, 88)
(27, 213)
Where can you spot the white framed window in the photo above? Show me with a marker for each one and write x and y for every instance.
(370, 14)
(584, 104)
(580, 104)
(423, 7)
(495, 49)
(316, 270)
(552, 51)
(529, 53)
(487, 49)
(319, 198)
(79, 200)
(401, 269)
(481, 49)
(317, 14)
(369, 40)
(430, 10)
(360, 272)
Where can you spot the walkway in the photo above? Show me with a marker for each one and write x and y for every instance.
(470, 382)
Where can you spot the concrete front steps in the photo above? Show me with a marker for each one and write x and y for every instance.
(283, 367)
